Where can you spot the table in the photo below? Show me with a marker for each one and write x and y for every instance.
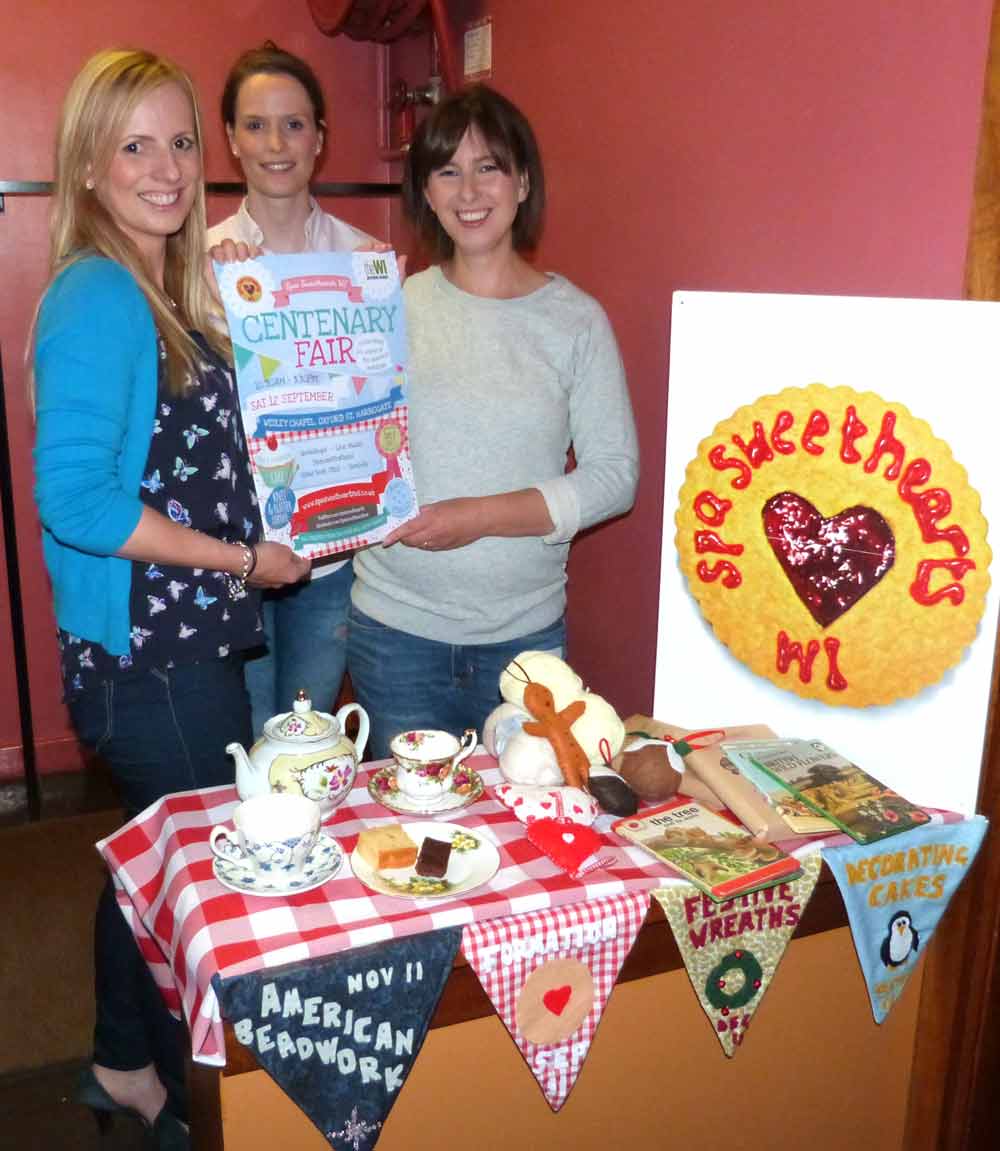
(191, 928)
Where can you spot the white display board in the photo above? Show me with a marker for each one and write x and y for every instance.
(941, 359)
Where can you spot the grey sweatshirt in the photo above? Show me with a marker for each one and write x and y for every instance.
(498, 391)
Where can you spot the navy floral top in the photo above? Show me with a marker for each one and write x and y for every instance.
(198, 475)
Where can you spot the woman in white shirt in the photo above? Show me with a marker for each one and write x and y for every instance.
(275, 117)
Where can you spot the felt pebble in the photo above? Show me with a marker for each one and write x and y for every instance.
(649, 773)
(612, 792)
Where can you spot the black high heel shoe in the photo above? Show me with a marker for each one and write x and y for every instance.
(167, 1132)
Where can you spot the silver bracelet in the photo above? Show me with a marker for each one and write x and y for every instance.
(237, 584)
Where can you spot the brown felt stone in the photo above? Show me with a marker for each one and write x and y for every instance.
(649, 773)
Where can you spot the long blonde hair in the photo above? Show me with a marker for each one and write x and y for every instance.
(100, 101)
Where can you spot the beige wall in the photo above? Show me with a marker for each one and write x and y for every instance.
(656, 1076)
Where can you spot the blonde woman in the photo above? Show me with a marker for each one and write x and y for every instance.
(149, 523)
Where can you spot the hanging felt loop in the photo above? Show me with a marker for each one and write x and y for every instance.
(697, 740)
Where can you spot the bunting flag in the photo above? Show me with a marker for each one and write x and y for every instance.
(895, 893)
(549, 975)
(732, 949)
(340, 1035)
(243, 355)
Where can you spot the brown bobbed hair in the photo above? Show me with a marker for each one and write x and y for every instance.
(509, 137)
(100, 102)
(271, 60)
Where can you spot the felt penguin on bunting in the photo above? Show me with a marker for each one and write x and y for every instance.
(901, 940)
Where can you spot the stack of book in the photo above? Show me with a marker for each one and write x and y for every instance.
(815, 790)
(709, 849)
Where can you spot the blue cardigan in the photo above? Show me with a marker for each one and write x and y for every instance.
(96, 385)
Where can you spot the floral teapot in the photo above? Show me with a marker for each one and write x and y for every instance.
(303, 751)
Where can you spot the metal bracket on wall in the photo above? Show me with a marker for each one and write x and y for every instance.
(23, 188)
(358, 190)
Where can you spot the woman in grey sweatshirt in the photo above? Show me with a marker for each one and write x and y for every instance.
(509, 367)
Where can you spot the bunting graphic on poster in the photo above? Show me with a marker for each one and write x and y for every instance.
(895, 893)
(268, 366)
(340, 1035)
(549, 975)
(732, 949)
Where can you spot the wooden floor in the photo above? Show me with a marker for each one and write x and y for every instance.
(39, 1114)
(51, 878)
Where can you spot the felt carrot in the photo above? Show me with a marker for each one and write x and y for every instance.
(555, 727)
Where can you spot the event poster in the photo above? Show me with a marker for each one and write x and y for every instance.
(319, 342)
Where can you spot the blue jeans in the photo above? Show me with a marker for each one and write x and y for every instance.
(159, 732)
(403, 681)
(305, 630)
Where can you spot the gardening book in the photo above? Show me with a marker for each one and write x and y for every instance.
(835, 787)
(794, 812)
(707, 848)
(320, 349)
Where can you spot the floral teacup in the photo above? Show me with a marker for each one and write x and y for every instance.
(425, 759)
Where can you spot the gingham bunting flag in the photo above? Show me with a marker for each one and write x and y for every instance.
(549, 975)
(895, 892)
(731, 950)
(340, 1035)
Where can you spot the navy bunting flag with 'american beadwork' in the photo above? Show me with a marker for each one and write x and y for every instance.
(340, 1035)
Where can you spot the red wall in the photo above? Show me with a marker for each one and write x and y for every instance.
(820, 147)
(41, 48)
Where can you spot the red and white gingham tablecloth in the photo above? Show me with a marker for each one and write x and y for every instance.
(190, 927)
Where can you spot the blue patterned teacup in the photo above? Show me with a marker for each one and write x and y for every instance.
(274, 834)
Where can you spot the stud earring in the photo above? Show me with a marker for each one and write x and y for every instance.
(89, 185)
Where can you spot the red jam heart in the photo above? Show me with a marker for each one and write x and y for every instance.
(831, 563)
(556, 999)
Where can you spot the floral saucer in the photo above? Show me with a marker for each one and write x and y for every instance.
(322, 863)
(466, 787)
(473, 861)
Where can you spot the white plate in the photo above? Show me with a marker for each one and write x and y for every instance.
(466, 869)
(403, 804)
(323, 863)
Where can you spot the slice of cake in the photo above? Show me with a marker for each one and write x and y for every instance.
(384, 848)
(433, 858)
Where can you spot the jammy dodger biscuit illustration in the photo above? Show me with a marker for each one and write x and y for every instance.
(835, 545)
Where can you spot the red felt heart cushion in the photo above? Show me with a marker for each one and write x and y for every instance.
(564, 842)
